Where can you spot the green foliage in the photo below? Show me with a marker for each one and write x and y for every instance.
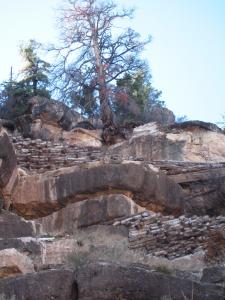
(35, 71)
(32, 81)
(163, 269)
(135, 96)
(85, 101)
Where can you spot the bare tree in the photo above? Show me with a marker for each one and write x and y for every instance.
(95, 52)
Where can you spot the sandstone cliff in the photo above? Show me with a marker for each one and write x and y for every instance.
(142, 219)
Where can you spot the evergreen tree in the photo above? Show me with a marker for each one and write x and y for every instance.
(35, 71)
(135, 96)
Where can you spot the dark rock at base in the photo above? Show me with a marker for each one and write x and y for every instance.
(13, 226)
(214, 275)
(106, 281)
(32, 247)
(46, 285)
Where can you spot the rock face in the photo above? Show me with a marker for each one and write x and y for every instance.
(40, 195)
(106, 281)
(8, 168)
(193, 142)
(214, 275)
(12, 226)
(13, 263)
(8, 159)
(161, 115)
(37, 156)
(47, 285)
(51, 120)
(19, 247)
(170, 237)
(50, 112)
(99, 210)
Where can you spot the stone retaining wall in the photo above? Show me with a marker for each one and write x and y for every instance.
(171, 237)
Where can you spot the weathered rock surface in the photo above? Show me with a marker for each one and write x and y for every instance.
(161, 115)
(19, 236)
(106, 281)
(37, 156)
(214, 274)
(193, 142)
(50, 112)
(13, 226)
(46, 285)
(13, 263)
(170, 237)
(8, 159)
(40, 195)
(51, 120)
(8, 169)
(95, 211)
(83, 138)
(203, 184)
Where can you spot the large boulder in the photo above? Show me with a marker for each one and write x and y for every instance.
(215, 274)
(191, 141)
(106, 281)
(53, 112)
(161, 115)
(39, 195)
(99, 210)
(20, 237)
(13, 263)
(46, 285)
(7, 159)
(13, 226)
(8, 168)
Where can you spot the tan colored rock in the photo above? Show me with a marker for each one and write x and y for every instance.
(99, 210)
(83, 137)
(39, 195)
(194, 141)
(13, 263)
(8, 168)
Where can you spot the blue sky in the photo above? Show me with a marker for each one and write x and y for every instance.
(186, 55)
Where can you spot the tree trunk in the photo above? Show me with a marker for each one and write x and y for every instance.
(35, 82)
(110, 129)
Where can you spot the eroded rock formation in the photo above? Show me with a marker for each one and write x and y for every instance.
(106, 281)
(193, 142)
(8, 168)
(72, 191)
(40, 195)
(46, 285)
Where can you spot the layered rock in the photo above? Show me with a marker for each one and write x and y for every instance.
(40, 195)
(46, 285)
(170, 237)
(13, 263)
(8, 168)
(193, 142)
(100, 210)
(18, 244)
(106, 281)
(12, 226)
(37, 156)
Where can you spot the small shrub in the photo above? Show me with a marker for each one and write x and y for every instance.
(163, 269)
